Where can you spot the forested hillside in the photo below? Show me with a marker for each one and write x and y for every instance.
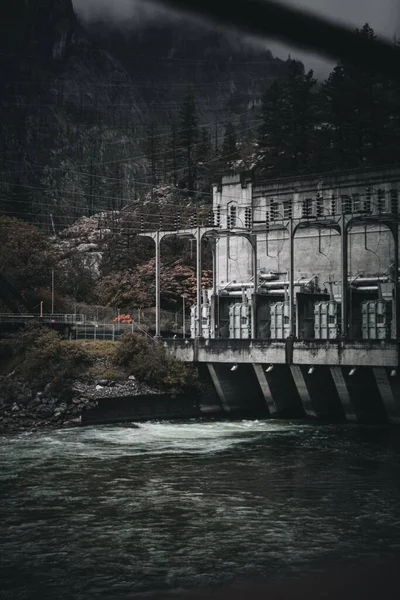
(125, 129)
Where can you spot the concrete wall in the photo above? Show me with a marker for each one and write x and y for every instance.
(314, 254)
(318, 352)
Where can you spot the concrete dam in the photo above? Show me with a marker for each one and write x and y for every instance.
(303, 315)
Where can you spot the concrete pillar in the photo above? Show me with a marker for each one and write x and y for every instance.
(303, 391)
(264, 385)
(392, 404)
(218, 387)
(343, 393)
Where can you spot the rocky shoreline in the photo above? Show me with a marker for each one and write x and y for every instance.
(24, 410)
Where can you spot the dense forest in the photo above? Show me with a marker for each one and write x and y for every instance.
(105, 134)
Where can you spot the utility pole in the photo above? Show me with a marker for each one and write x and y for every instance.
(157, 240)
(183, 317)
(52, 291)
(198, 283)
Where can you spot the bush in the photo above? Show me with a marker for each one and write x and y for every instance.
(40, 356)
(147, 361)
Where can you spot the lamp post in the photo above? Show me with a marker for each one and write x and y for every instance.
(183, 317)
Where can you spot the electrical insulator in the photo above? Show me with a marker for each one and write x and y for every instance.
(232, 220)
(247, 218)
(394, 202)
(211, 218)
(141, 223)
(381, 201)
(218, 216)
(161, 222)
(367, 201)
(320, 208)
(267, 221)
(333, 206)
(228, 220)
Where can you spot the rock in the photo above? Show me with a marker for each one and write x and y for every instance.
(132, 378)
(73, 422)
(39, 395)
(102, 382)
(44, 412)
(15, 407)
(99, 387)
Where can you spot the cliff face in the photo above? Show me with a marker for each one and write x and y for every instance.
(227, 73)
(75, 103)
(65, 106)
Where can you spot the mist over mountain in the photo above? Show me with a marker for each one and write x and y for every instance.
(77, 98)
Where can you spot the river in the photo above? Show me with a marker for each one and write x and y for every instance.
(115, 512)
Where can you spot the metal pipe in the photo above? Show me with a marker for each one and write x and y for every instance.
(362, 280)
(268, 276)
(274, 284)
(238, 294)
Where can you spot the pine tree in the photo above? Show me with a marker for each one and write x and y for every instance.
(152, 150)
(187, 139)
(204, 160)
(287, 134)
(355, 109)
(230, 152)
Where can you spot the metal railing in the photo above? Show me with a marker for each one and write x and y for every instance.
(72, 319)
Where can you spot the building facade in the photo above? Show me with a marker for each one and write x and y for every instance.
(305, 235)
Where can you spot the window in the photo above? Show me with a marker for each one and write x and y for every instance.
(367, 201)
(381, 201)
(356, 203)
(307, 208)
(274, 206)
(288, 209)
(331, 319)
(394, 202)
(243, 320)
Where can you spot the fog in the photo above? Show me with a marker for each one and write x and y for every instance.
(383, 16)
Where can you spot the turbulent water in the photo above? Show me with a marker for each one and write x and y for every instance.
(118, 512)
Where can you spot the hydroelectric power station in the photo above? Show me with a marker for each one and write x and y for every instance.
(303, 315)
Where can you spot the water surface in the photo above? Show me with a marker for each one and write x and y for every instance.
(117, 512)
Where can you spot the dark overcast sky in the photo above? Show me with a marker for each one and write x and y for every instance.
(382, 15)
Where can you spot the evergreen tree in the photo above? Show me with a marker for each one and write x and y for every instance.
(230, 152)
(204, 160)
(355, 113)
(152, 151)
(187, 139)
(287, 134)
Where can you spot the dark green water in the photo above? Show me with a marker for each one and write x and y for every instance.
(116, 512)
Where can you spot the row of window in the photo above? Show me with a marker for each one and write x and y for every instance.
(354, 203)
(311, 208)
